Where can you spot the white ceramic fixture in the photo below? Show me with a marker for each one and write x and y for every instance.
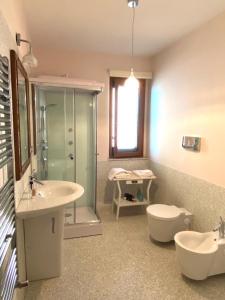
(200, 254)
(43, 221)
(50, 196)
(166, 220)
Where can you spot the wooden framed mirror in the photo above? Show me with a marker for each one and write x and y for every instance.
(21, 114)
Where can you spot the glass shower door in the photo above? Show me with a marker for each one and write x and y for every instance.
(55, 123)
(85, 151)
(67, 145)
(57, 133)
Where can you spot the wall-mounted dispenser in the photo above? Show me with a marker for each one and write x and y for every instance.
(191, 143)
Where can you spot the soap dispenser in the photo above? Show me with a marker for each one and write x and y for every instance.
(140, 195)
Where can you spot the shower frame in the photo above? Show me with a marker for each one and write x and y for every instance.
(87, 228)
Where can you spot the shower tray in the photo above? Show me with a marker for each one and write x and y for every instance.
(85, 223)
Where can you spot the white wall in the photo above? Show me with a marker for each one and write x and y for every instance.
(13, 12)
(188, 98)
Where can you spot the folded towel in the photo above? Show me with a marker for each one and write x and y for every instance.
(143, 173)
(118, 173)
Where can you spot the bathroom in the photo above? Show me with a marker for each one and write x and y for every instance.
(178, 52)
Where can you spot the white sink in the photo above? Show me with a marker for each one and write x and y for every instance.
(200, 254)
(50, 196)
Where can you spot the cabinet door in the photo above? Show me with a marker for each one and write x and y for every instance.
(43, 245)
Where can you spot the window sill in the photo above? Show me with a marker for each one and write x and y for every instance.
(128, 158)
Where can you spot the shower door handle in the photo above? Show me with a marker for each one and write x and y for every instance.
(71, 156)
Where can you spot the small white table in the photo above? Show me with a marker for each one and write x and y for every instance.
(117, 192)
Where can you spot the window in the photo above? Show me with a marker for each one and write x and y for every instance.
(126, 130)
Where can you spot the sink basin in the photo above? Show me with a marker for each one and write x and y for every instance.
(51, 196)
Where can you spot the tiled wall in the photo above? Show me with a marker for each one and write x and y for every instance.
(205, 200)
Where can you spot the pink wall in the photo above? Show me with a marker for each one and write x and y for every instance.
(188, 98)
(13, 13)
(90, 66)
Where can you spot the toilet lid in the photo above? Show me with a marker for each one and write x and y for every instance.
(163, 212)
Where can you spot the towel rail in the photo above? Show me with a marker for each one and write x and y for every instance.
(5, 161)
(3, 78)
(5, 196)
(4, 119)
(6, 245)
(8, 254)
(4, 111)
(3, 102)
(7, 145)
(4, 95)
(4, 68)
(9, 279)
(5, 153)
(5, 128)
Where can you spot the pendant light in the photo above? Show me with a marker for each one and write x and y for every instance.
(131, 81)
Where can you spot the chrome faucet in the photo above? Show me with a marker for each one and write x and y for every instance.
(221, 228)
(33, 179)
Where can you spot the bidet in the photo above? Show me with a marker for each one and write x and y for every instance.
(200, 254)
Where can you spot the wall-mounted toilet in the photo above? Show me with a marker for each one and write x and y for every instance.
(166, 220)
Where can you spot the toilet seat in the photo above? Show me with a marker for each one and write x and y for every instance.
(163, 212)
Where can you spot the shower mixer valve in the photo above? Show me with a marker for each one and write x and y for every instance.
(71, 156)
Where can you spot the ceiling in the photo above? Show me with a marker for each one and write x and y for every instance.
(105, 25)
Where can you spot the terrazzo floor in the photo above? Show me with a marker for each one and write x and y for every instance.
(122, 264)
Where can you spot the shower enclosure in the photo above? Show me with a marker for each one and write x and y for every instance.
(66, 149)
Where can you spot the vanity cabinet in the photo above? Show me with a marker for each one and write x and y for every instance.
(43, 245)
(43, 220)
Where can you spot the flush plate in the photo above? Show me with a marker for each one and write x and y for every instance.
(191, 143)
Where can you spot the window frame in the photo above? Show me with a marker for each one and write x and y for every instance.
(114, 153)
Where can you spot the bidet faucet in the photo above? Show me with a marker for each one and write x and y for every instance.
(221, 228)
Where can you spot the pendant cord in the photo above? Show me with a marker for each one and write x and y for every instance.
(132, 32)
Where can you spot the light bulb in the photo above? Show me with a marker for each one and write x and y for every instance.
(132, 82)
(29, 59)
(132, 3)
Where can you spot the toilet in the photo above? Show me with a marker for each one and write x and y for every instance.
(165, 221)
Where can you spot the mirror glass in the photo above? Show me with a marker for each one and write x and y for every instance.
(23, 117)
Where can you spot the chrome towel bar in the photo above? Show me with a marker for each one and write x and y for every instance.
(8, 254)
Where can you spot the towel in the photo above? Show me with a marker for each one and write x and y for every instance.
(144, 173)
(118, 173)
